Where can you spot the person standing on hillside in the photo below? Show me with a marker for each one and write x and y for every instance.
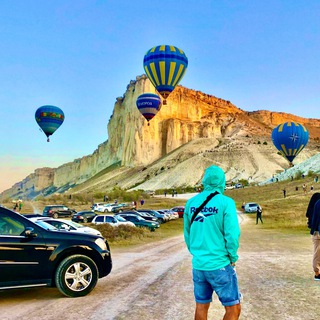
(259, 215)
(211, 233)
(284, 192)
(313, 216)
(304, 188)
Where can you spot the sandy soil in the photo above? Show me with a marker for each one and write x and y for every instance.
(154, 282)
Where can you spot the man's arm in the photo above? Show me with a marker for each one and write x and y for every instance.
(231, 231)
(186, 226)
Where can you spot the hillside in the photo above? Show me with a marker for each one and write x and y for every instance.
(191, 132)
(242, 158)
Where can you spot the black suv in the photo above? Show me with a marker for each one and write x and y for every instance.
(37, 254)
(57, 211)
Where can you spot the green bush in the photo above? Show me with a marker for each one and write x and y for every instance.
(310, 173)
(114, 234)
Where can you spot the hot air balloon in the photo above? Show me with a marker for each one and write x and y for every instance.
(290, 138)
(49, 119)
(165, 66)
(148, 104)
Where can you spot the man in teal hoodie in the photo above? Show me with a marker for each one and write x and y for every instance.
(213, 240)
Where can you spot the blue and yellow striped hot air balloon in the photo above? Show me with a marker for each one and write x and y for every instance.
(165, 66)
(148, 104)
(49, 119)
(290, 138)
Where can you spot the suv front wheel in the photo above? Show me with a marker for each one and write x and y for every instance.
(76, 276)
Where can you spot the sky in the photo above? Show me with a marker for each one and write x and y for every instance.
(80, 55)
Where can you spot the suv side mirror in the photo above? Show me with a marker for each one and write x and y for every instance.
(29, 232)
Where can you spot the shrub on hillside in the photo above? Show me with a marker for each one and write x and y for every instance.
(113, 234)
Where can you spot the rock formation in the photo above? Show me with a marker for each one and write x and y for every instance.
(204, 128)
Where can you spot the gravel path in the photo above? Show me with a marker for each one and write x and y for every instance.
(154, 282)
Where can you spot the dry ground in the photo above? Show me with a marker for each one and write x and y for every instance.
(154, 282)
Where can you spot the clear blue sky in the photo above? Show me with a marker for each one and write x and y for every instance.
(81, 54)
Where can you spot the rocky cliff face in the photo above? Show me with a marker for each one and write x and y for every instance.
(188, 116)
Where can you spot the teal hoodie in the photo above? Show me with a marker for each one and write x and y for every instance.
(213, 237)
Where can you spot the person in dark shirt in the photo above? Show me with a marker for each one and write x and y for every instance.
(313, 216)
(259, 215)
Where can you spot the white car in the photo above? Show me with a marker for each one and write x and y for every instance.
(67, 225)
(251, 207)
(112, 220)
(97, 206)
(107, 207)
(171, 214)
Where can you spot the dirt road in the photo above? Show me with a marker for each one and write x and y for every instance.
(154, 282)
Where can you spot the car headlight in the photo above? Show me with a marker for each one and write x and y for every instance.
(100, 242)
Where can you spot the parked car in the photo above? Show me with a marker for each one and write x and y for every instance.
(172, 215)
(67, 225)
(32, 215)
(83, 216)
(161, 218)
(57, 211)
(139, 221)
(123, 221)
(34, 255)
(98, 206)
(251, 207)
(150, 192)
(114, 221)
(122, 207)
(144, 215)
(238, 185)
(179, 209)
(107, 207)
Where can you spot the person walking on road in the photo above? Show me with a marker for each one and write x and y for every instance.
(259, 215)
(211, 233)
(313, 216)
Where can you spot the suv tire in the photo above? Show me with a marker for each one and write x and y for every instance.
(76, 276)
(85, 220)
(55, 215)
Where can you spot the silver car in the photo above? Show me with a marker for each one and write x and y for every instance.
(66, 225)
(251, 207)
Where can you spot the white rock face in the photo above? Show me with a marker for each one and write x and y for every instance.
(189, 116)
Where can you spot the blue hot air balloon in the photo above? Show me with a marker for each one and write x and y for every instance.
(290, 138)
(165, 66)
(49, 119)
(148, 104)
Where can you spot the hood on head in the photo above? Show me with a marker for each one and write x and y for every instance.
(214, 179)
